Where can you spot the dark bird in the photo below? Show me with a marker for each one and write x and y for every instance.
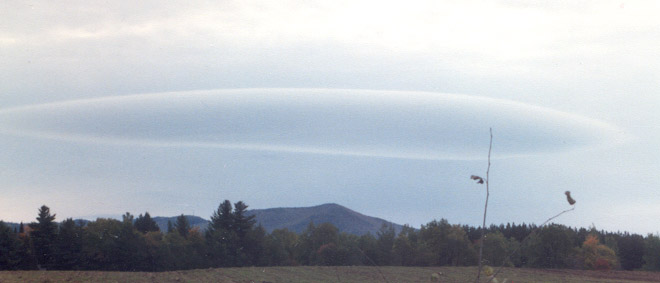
(477, 178)
(570, 200)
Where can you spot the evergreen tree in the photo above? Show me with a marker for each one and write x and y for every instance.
(10, 247)
(182, 226)
(242, 223)
(69, 245)
(631, 251)
(44, 235)
(249, 241)
(131, 245)
(170, 227)
(231, 236)
(652, 252)
(221, 236)
(127, 218)
(222, 218)
(145, 224)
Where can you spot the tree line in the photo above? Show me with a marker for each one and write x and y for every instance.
(233, 239)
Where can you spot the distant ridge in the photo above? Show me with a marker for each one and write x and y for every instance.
(194, 221)
(294, 219)
(297, 218)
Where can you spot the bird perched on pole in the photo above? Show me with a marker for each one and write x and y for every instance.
(570, 200)
(477, 178)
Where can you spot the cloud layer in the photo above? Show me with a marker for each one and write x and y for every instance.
(594, 59)
(414, 125)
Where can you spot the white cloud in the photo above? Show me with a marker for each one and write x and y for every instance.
(482, 33)
(91, 50)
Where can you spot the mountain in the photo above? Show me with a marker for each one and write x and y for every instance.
(296, 219)
(12, 226)
(194, 221)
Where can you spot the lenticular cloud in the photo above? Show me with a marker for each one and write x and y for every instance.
(396, 124)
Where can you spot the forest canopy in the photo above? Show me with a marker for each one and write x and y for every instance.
(234, 239)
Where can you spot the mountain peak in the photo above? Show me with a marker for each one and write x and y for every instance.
(297, 218)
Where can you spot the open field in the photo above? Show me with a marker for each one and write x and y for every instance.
(328, 274)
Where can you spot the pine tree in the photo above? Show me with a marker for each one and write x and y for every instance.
(242, 223)
(170, 227)
(44, 235)
(221, 237)
(127, 218)
(69, 245)
(146, 224)
(9, 248)
(248, 247)
(223, 218)
(182, 226)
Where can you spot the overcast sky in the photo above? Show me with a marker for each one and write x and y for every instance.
(383, 107)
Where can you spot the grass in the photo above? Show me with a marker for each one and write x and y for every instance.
(329, 274)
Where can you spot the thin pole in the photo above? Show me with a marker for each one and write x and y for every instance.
(483, 227)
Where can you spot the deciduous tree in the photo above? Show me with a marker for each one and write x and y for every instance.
(594, 255)
(551, 247)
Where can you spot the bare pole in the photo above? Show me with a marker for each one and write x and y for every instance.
(483, 227)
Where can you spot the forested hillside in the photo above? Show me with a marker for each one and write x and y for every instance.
(296, 219)
(233, 239)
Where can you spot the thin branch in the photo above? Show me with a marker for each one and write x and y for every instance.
(549, 219)
(483, 227)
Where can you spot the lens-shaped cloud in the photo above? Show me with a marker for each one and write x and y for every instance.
(398, 124)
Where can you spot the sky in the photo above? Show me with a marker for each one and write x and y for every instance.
(384, 107)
